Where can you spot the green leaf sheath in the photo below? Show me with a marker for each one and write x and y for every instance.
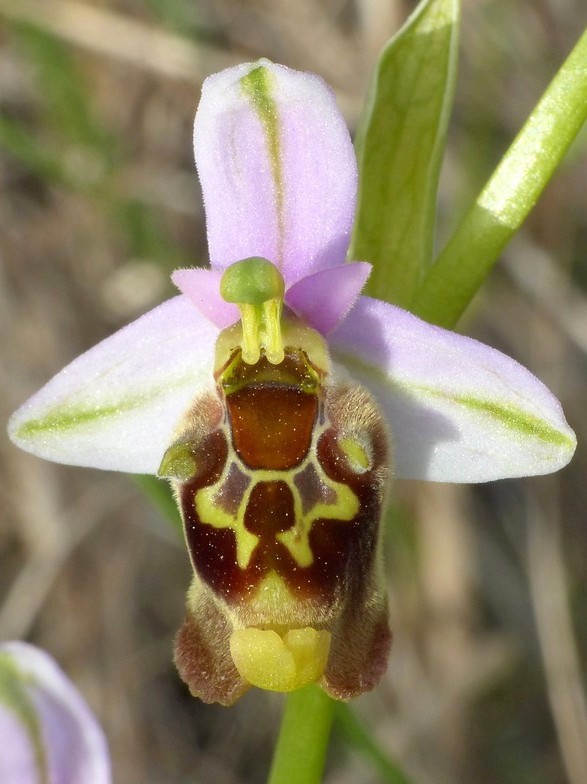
(356, 734)
(160, 494)
(400, 145)
(508, 196)
(303, 738)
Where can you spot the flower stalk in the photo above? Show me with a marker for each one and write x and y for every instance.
(509, 195)
(301, 748)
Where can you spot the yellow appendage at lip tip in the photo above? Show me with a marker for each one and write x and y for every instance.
(285, 663)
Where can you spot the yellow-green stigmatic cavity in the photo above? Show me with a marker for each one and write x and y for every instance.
(281, 518)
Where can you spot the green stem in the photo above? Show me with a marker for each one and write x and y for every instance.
(303, 738)
(508, 197)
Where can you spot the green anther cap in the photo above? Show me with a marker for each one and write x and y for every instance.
(256, 286)
(252, 282)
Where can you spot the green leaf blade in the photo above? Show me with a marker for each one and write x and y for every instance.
(399, 148)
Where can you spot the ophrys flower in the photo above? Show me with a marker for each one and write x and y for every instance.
(273, 397)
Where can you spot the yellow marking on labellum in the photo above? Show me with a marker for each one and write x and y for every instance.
(355, 454)
(285, 663)
(210, 513)
(344, 506)
(296, 539)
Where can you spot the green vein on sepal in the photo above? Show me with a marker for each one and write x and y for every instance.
(66, 417)
(505, 414)
(257, 86)
(15, 698)
(508, 415)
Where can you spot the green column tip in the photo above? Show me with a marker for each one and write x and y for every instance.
(252, 281)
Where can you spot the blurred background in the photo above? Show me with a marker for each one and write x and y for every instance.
(98, 203)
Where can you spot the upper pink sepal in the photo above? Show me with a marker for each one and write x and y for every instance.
(202, 288)
(459, 411)
(117, 406)
(324, 298)
(277, 169)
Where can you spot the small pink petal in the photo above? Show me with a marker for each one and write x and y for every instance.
(324, 298)
(202, 288)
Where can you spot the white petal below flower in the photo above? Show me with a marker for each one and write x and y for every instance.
(48, 733)
(459, 411)
(116, 406)
(18, 763)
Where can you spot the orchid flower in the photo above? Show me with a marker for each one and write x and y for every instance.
(49, 735)
(280, 403)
